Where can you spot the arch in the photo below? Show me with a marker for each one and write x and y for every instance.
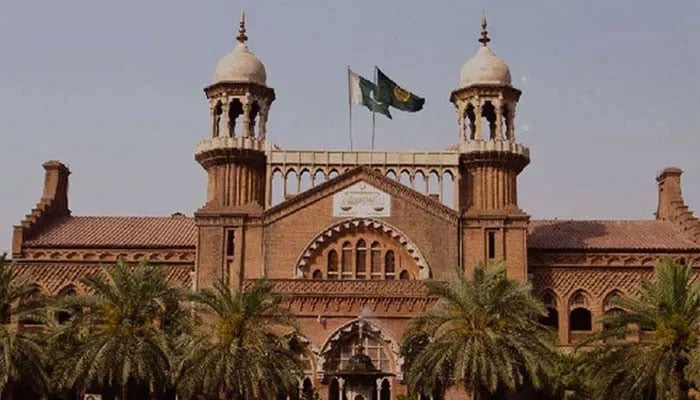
(318, 177)
(291, 183)
(340, 228)
(389, 265)
(391, 346)
(307, 389)
(405, 178)
(385, 390)
(346, 261)
(434, 186)
(549, 298)
(391, 174)
(333, 173)
(304, 180)
(420, 182)
(334, 390)
(447, 193)
(277, 186)
(579, 299)
(253, 114)
(235, 110)
(375, 263)
(317, 275)
(63, 316)
(361, 260)
(607, 302)
(404, 275)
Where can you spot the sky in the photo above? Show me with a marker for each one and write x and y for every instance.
(611, 93)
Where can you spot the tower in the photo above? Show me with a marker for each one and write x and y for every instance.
(234, 158)
(494, 228)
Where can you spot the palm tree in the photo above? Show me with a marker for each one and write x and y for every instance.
(122, 341)
(484, 333)
(22, 360)
(657, 367)
(239, 352)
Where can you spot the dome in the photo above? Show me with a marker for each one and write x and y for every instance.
(485, 68)
(240, 65)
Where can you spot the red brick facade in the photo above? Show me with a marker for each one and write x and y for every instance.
(362, 273)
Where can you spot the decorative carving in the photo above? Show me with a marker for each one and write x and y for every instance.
(185, 256)
(593, 260)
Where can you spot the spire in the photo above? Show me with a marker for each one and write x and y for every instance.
(484, 39)
(242, 37)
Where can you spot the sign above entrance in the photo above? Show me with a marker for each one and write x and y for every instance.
(361, 200)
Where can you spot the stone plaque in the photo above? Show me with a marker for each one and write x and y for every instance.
(361, 200)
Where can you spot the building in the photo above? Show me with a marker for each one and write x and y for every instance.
(354, 247)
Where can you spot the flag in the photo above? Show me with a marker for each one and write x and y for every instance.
(389, 93)
(361, 90)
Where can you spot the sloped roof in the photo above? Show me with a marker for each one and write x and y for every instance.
(53, 277)
(138, 232)
(607, 235)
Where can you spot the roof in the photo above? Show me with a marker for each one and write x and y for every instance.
(607, 235)
(138, 232)
(54, 277)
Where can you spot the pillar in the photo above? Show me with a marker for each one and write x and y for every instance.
(478, 123)
(225, 120)
(246, 116)
(498, 106)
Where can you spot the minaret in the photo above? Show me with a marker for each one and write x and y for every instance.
(490, 161)
(235, 161)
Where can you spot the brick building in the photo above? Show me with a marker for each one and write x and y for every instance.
(357, 232)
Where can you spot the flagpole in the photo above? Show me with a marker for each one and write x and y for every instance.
(373, 111)
(350, 109)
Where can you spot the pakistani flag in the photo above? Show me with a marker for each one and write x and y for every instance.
(361, 91)
(389, 93)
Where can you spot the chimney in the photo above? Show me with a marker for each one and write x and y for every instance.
(670, 196)
(56, 187)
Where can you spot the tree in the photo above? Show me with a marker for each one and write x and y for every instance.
(239, 352)
(668, 308)
(484, 334)
(122, 340)
(22, 360)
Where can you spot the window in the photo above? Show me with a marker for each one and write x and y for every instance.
(361, 260)
(492, 244)
(229, 242)
(346, 272)
(580, 320)
(332, 264)
(404, 275)
(317, 274)
(389, 265)
(376, 261)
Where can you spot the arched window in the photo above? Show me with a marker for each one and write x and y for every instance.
(317, 274)
(552, 318)
(307, 390)
(389, 265)
(332, 264)
(334, 390)
(404, 275)
(361, 260)
(376, 261)
(64, 316)
(346, 272)
(580, 320)
(385, 390)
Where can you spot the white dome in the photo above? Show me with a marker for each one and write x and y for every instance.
(484, 68)
(240, 65)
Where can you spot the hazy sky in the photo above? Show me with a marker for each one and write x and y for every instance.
(611, 92)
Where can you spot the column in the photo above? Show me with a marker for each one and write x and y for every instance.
(262, 122)
(215, 120)
(479, 134)
(461, 126)
(246, 129)
(510, 117)
(498, 105)
(225, 121)
(379, 387)
(341, 387)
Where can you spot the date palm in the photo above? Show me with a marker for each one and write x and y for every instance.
(668, 309)
(484, 334)
(22, 360)
(239, 353)
(122, 340)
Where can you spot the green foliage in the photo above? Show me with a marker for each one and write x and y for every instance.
(22, 355)
(124, 337)
(239, 353)
(484, 334)
(658, 367)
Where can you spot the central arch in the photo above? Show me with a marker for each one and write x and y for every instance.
(338, 230)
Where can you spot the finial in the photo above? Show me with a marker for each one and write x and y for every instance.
(484, 39)
(242, 37)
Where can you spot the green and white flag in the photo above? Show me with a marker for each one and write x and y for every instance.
(361, 91)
